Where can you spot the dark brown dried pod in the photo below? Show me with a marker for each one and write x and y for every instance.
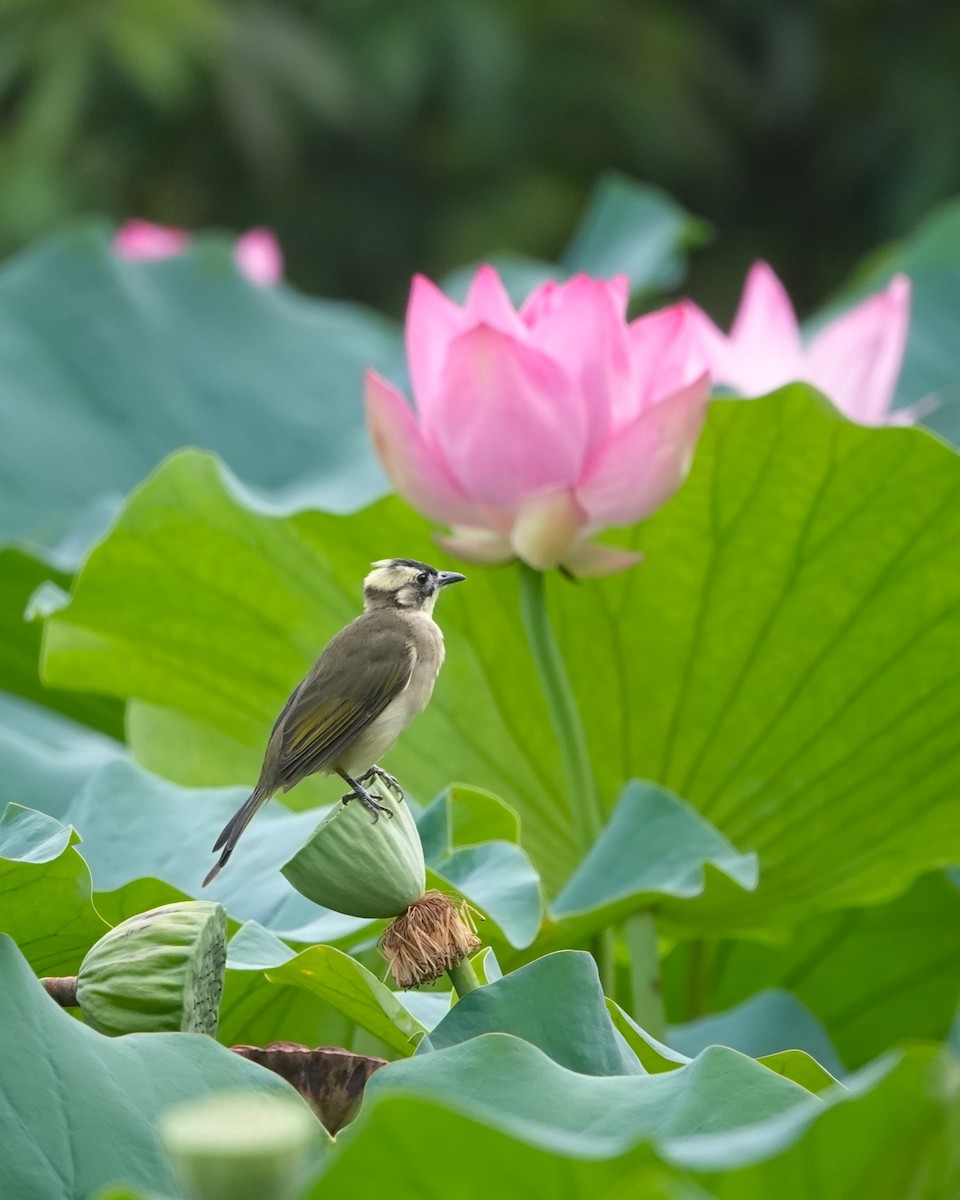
(329, 1079)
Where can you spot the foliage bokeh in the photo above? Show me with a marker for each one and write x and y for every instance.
(380, 139)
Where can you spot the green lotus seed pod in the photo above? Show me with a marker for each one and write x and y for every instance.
(243, 1146)
(361, 867)
(158, 972)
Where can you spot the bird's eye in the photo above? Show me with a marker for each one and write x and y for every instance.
(423, 577)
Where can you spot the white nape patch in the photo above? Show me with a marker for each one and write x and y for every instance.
(387, 577)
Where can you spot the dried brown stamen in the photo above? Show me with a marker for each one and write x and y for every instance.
(433, 935)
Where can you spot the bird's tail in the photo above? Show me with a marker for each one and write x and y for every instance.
(234, 827)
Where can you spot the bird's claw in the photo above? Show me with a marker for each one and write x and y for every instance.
(385, 777)
(368, 802)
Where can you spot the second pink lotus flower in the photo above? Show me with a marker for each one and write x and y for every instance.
(854, 359)
(536, 429)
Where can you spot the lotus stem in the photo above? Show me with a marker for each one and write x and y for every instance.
(640, 934)
(464, 978)
(63, 989)
(583, 800)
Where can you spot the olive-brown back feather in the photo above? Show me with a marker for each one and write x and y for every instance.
(364, 667)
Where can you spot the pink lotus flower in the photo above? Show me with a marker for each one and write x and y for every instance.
(854, 359)
(536, 429)
(257, 252)
(144, 240)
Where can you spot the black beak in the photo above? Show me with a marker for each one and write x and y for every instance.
(446, 577)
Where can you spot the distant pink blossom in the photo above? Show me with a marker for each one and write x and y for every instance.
(854, 359)
(258, 255)
(144, 240)
(535, 429)
(257, 252)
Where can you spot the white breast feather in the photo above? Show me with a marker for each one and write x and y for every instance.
(377, 739)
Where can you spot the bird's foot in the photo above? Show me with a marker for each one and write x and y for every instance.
(391, 781)
(368, 802)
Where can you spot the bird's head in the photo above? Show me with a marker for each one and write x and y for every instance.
(405, 583)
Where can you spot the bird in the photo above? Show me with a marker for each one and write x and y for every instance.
(368, 684)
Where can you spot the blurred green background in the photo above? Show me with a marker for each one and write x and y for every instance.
(380, 138)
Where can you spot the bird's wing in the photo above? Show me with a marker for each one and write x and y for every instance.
(367, 665)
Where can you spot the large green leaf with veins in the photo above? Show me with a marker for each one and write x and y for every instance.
(45, 892)
(655, 852)
(784, 659)
(346, 985)
(769, 1023)
(45, 758)
(707, 1130)
(517, 1088)
(107, 365)
(79, 1110)
(258, 1009)
(556, 1004)
(798, 1065)
(873, 976)
(21, 574)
